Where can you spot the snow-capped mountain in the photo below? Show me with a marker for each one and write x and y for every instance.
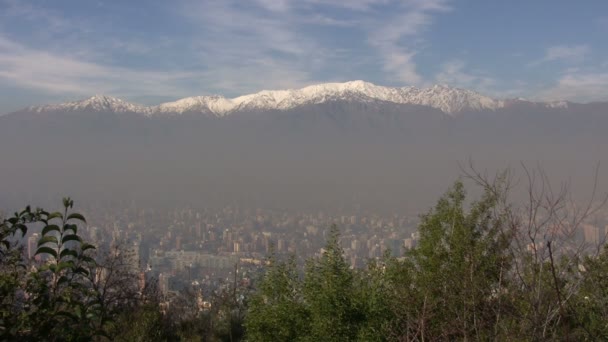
(100, 103)
(448, 100)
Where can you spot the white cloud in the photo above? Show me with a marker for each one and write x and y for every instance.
(564, 53)
(395, 38)
(579, 86)
(570, 53)
(15, 8)
(354, 5)
(453, 73)
(63, 74)
(274, 5)
(253, 50)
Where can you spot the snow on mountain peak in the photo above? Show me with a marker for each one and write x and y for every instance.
(447, 99)
(100, 103)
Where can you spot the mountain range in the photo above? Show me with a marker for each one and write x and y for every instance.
(449, 100)
(323, 145)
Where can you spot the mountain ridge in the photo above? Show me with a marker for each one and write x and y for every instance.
(449, 100)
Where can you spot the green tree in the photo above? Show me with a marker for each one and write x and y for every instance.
(13, 273)
(375, 296)
(277, 311)
(62, 298)
(330, 293)
(52, 300)
(458, 269)
(591, 304)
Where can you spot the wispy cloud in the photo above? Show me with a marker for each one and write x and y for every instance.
(64, 74)
(575, 85)
(226, 46)
(29, 12)
(570, 53)
(454, 73)
(279, 33)
(564, 53)
(248, 49)
(395, 38)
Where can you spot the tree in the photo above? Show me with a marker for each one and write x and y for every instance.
(55, 297)
(330, 294)
(13, 272)
(457, 270)
(277, 311)
(591, 302)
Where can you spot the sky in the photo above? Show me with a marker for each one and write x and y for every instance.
(154, 51)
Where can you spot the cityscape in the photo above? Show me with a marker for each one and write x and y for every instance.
(186, 247)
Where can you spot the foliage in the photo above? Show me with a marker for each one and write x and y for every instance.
(277, 311)
(53, 298)
(472, 276)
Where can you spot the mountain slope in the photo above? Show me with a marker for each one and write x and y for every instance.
(447, 99)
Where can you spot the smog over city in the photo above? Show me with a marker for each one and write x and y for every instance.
(205, 143)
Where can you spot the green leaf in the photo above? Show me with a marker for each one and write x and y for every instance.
(82, 270)
(50, 228)
(47, 239)
(65, 264)
(47, 250)
(87, 258)
(70, 237)
(86, 246)
(67, 252)
(54, 216)
(67, 202)
(72, 227)
(25, 211)
(76, 216)
(22, 228)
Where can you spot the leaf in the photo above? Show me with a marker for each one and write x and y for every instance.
(87, 258)
(70, 237)
(72, 227)
(47, 239)
(63, 279)
(86, 246)
(25, 211)
(54, 216)
(76, 216)
(50, 228)
(67, 202)
(65, 264)
(47, 250)
(22, 228)
(67, 252)
(82, 270)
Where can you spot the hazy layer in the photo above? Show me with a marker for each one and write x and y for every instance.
(381, 156)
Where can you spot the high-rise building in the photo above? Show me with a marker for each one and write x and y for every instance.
(32, 245)
(592, 234)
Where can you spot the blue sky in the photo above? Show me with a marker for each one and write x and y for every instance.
(155, 51)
